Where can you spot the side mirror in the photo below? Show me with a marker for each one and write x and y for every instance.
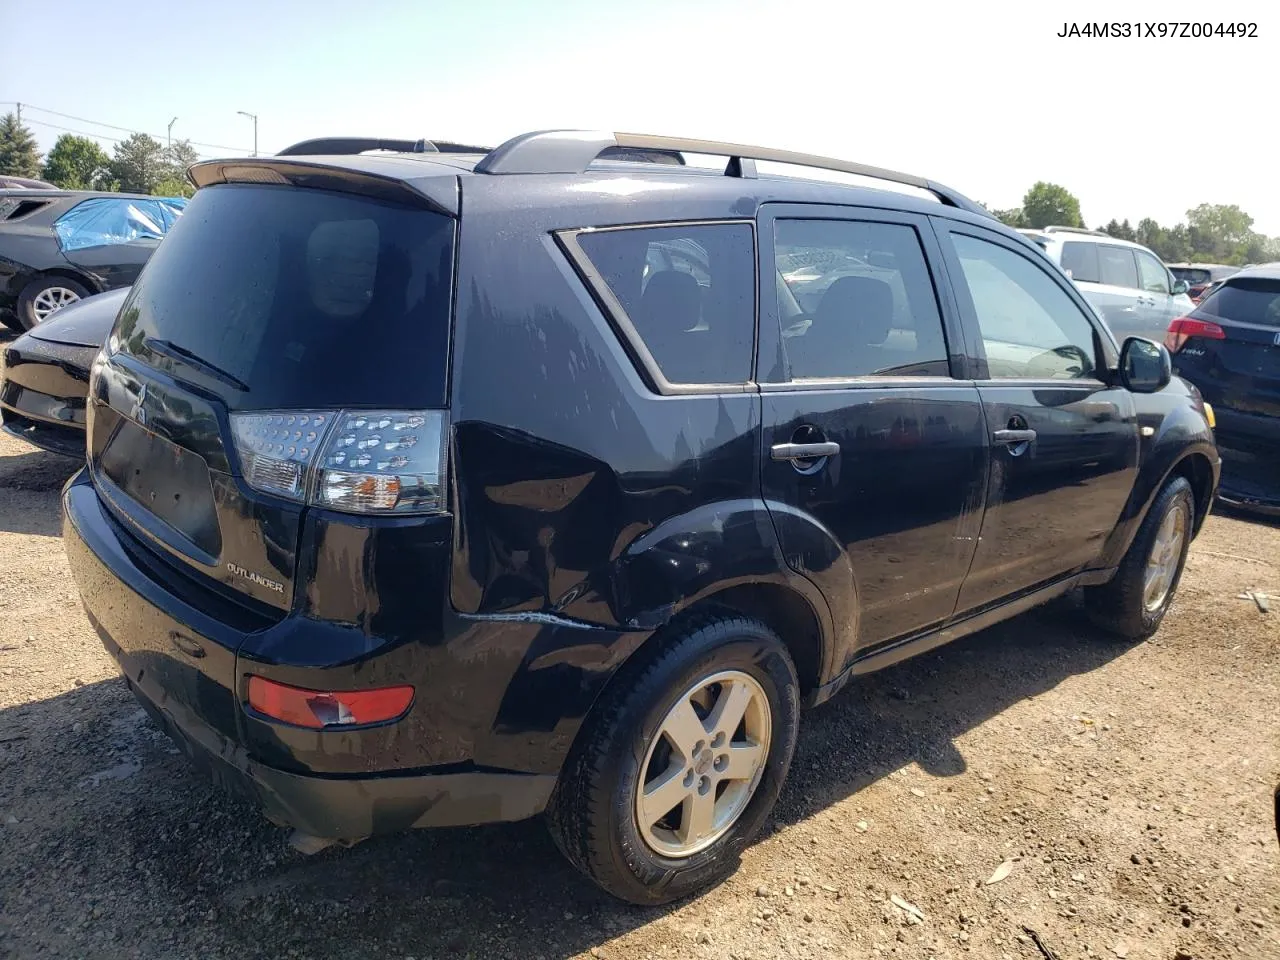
(1180, 286)
(1145, 366)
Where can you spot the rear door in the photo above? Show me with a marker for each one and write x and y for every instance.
(875, 456)
(1064, 445)
(112, 238)
(265, 311)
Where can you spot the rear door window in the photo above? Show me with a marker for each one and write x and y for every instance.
(1080, 260)
(1116, 266)
(103, 221)
(688, 292)
(866, 299)
(302, 298)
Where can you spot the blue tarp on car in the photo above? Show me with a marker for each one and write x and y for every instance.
(102, 221)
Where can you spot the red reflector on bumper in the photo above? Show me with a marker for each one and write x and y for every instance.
(327, 708)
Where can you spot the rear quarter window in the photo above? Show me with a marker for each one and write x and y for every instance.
(1080, 260)
(687, 291)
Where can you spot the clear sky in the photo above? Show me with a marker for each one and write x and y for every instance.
(984, 97)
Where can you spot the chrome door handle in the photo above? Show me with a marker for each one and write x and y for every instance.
(1010, 437)
(804, 451)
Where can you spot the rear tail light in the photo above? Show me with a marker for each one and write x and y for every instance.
(327, 708)
(1184, 328)
(358, 461)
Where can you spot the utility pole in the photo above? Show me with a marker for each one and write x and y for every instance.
(171, 123)
(19, 114)
(254, 118)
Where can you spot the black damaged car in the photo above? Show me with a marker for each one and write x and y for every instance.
(441, 486)
(44, 376)
(60, 246)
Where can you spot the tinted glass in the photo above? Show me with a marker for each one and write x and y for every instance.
(866, 301)
(309, 298)
(1080, 260)
(689, 291)
(1117, 267)
(1152, 273)
(1030, 326)
(1245, 301)
(1191, 274)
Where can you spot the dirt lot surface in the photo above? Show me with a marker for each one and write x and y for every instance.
(1114, 799)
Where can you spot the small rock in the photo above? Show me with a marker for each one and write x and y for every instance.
(984, 776)
(568, 914)
(789, 890)
(763, 891)
(917, 792)
(1077, 878)
(964, 937)
(704, 937)
(1001, 872)
(597, 952)
(861, 826)
(767, 913)
(1121, 950)
(808, 917)
(1134, 858)
(803, 881)
(829, 889)
(10, 819)
(898, 693)
(79, 682)
(1257, 922)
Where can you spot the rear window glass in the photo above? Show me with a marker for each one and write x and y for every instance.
(1245, 301)
(308, 298)
(1080, 260)
(689, 291)
(1191, 274)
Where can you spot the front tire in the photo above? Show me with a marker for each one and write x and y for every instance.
(681, 762)
(44, 296)
(1134, 603)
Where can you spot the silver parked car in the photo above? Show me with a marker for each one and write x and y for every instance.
(1129, 286)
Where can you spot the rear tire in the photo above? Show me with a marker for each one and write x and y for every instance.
(602, 813)
(44, 296)
(1133, 604)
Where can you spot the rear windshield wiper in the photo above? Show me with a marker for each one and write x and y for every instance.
(175, 352)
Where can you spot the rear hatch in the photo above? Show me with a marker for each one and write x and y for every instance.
(1233, 352)
(275, 326)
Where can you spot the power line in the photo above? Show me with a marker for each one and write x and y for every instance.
(109, 126)
(85, 133)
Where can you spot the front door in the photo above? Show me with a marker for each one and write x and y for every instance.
(1157, 288)
(1064, 445)
(875, 458)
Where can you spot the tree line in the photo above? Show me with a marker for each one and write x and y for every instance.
(138, 164)
(1212, 233)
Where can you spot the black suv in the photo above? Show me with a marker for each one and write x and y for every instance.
(443, 486)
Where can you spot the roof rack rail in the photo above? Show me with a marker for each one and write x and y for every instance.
(335, 146)
(573, 151)
(1092, 233)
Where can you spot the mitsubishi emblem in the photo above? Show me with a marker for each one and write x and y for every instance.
(139, 407)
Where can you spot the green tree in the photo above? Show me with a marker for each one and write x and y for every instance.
(1047, 204)
(139, 163)
(78, 163)
(1012, 217)
(19, 156)
(1121, 231)
(176, 160)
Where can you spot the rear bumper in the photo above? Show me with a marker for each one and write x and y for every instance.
(497, 707)
(1250, 450)
(331, 807)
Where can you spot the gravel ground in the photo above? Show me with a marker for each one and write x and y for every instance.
(1034, 784)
